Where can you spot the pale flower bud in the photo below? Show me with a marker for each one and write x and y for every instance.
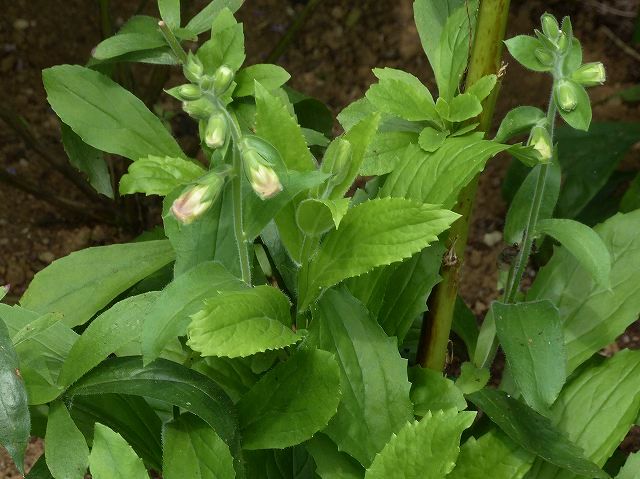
(590, 74)
(565, 95)
(189, 92)
(222, 79)
(545, 57)
(550, 26)
(263, 179)
(193, 69)
(216, 131)
(193, 202)
(200, 109)
(541, 142)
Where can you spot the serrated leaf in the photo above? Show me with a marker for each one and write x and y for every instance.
(242, 323)
(291, 402)
(156, 175)
(105, 115)
(193, 449)
(169, 315)
(534, 432)
(111, 330)
(15, 422)
(492, 455)
(523, 48)
(386, 151)
(267, 75)
(374, 233)
(331, 463)
(517, 121)
(590, 321)
(373, 376)
(437, 178)
(531, 336)
(81, 284)
(425, 449)
(401, 94)
(583, 243)
(205, 17)
(596, 410)
(170, 12)
(112, 458)
(431, 391)
(67, 451)
(226, 45)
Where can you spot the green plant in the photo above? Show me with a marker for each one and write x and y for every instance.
(267, 329)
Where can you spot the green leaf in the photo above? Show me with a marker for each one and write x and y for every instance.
(331, 463)
(534, 432)
(518, 214)
(631, 469)
(482, 88)
(464, 106)
(156, 175)
(226, 45)
(267, 75)
(631, 199)
(105, 115)
(291, 463)
(205, 17)
(354, 113)
(431, 391)
(583, 243)
(518, 121)
(81, 284)
(401, 94)
(597, 409)
(523, 48)
(39, 470)
(316, 217)
(170, 12)
(492, 455)
(374, 233)
(169, 315)
(385, 152)
(373, 377)
(111, 330)
(15, 422)
(291, 402)
(67, 450)
(168, 382)
(437, 178)
(532, 339)
(580, 117)
(472, 378)
(431, 139)
(425, 449)
(193, 449)
(590, 321)
(242, 323)
(465, 326)
(112, 458)
(88, 160)
(123, 43)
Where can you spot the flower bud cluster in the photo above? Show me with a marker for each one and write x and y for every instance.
(197, 199)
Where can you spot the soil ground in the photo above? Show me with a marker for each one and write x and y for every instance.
(331, 60)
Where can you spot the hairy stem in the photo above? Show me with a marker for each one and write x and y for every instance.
(486, 55)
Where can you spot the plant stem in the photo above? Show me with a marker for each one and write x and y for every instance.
(173, 42)
(520, 263)
(485, 59)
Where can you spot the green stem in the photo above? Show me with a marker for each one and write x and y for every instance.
(520, 263)
(485, 59)
(173, 42)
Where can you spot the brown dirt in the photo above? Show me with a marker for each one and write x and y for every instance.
(331, 60)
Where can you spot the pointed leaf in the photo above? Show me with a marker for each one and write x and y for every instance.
(170, 12)
(226, 45)
(482, 88)
(431, 391)
(518, 121)
(159, 176)
(112, 458)
(267, 75)
(291, 402)
(464, 106)
(67, 451)
(205, 17)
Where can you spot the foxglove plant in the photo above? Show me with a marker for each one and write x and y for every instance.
(271, 327)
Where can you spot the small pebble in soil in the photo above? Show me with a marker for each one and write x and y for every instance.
(46, 257)
(492, 239)
(21, 24)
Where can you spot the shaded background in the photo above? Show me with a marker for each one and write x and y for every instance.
(331, 59)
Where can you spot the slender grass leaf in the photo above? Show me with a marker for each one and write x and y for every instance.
(375, 403)
(112, 458)
(534, 432)
(15, 421)
(193, 449)
(425, 449)
(81, 284)
(292, 402)
(105, 115)
(67, 450)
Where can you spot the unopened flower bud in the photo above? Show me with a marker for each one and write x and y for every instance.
(566, 96)
(193, 68)
(216, 131)
(550, 26)
(590, 74)
(563, 42)
(206, 82)
(341, 161)
(200, 109)
(263, 179)
(222, 79)
(194, 201)
(189, 92)
(544, 56)
(541, 142)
